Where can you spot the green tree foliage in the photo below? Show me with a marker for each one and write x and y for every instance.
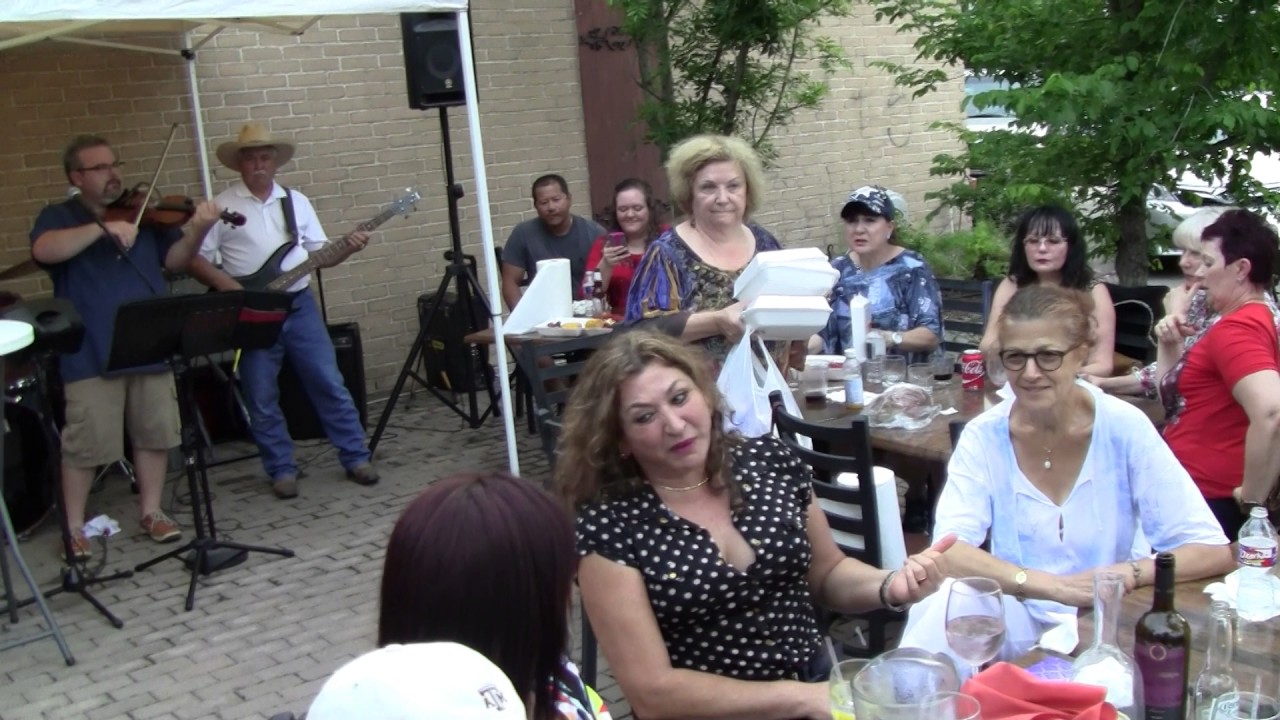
(741, 67)
(1111, 96)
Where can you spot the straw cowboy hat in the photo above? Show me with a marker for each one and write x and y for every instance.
(253, 135)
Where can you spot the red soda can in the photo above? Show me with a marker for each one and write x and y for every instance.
(972, 371)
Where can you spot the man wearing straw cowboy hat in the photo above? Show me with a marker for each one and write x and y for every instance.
(277, 215)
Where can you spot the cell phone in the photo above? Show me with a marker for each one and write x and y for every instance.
(617, 239)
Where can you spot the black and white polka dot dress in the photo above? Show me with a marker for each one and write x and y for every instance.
(753, 625)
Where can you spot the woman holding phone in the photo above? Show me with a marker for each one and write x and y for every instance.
(634, 223)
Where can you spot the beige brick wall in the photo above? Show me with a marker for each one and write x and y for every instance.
(339, 92)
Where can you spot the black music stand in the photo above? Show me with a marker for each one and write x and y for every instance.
(173, 330)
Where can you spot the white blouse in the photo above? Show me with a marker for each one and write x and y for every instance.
(1129, 486)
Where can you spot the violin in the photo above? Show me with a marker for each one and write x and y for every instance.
(170, 211)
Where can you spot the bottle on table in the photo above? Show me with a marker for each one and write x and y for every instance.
(854, 398)
(597, 292)
(1215, 680)
(1104, 664)
(1255, 559)
(1162, 649)
(588, 286)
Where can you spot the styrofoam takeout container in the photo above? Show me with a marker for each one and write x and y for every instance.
(797, 279)
(779, 317)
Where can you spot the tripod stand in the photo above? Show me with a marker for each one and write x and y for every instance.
(460, 270)
(58, 329)
(175, 330)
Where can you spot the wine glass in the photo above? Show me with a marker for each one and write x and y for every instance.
(975, 620)
(895, 369)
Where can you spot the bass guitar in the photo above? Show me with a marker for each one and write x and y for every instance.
(271, 277)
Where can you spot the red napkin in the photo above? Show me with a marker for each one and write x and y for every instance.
(1007, 692)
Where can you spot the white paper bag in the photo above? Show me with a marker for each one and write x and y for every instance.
(549, 296)
(746, 379)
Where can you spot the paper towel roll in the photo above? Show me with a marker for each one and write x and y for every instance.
(893, 548)
(858, 326)
(549, 296)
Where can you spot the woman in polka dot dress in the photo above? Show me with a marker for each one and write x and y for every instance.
(703, 553)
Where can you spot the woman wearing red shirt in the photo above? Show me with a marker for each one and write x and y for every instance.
(634, 225)
(1222, 392)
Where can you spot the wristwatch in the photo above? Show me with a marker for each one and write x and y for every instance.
(1020, 584)
(896, 339)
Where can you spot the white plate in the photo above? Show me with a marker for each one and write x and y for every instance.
(547, 330)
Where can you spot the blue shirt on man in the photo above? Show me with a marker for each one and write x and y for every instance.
(100, 279)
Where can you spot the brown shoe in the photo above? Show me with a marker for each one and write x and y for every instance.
(161, 527)
(285, 486)
(80, 547)
(363, 474)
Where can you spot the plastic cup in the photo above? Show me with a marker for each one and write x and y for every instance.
(841, 685)
(921, 375)
(1246, 705)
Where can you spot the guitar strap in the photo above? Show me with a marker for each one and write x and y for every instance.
(290, 222)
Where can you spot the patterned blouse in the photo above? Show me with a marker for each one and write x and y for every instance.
(1198, 317)
(671, 279)
(757, 624)
(903, 295)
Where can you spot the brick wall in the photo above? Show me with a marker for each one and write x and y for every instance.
(338, 91)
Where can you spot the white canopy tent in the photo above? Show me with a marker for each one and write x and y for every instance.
(23, 22)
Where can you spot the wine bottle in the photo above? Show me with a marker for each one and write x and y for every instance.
(1162, 649)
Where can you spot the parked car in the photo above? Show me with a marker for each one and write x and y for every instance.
(1167, 206)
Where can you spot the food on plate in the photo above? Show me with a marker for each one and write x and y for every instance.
(593, 323)
(571, 325)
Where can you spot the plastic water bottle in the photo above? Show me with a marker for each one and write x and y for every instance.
(853, 395)
(1257, 556)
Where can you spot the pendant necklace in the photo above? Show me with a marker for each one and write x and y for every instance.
(1048, 464)
(683, 489)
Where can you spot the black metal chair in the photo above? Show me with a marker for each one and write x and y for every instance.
(1138, 309)
(966, 305)
(556, 364)
(839, 450)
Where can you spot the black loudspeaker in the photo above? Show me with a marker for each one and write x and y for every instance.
(444, 354)
(298, 412)
(432, 60)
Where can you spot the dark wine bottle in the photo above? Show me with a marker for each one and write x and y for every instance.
(1162, 649)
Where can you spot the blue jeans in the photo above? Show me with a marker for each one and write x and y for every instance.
(304, 339)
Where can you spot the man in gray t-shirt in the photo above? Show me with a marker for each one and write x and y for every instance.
(555, 233)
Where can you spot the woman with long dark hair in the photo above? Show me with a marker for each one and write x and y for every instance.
(635, 220)
(1048, 249)
(487, 560)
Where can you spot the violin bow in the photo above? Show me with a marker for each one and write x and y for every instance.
(146, 199)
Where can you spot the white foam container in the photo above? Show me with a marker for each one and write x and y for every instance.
(798, 279)
(778, 317)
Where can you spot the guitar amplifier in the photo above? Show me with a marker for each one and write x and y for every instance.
(298, 411)
(444, 356)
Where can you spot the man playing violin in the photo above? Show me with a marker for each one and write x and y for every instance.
(279, 216)
(99, 265)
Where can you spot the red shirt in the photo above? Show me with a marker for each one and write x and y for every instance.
(1208, 438)
(620, 280)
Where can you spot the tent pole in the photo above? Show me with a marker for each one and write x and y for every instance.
(197, 113)
(486, 231)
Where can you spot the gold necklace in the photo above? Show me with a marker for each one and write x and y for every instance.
(682, 489)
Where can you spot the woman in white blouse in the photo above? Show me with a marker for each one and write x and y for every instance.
(1060, 479)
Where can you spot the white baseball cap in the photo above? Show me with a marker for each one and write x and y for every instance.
(429, 680)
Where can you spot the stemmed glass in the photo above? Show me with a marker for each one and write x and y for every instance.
(975, 620)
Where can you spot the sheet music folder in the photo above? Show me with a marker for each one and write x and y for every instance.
(156, 330)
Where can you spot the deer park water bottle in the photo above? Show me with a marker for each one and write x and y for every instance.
(1256, 558)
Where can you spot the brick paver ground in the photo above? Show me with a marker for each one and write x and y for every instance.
(264, 635)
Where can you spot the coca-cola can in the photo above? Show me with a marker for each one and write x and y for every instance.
(972, 370)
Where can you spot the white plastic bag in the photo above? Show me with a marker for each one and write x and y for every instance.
(747, 377)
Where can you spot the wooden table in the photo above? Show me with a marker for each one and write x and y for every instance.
(486, 337)
(1257, 648)
(932, 443)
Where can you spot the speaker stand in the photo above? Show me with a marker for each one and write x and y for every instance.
(459, 271)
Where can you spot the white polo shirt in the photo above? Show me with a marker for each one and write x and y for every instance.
(244, 249)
